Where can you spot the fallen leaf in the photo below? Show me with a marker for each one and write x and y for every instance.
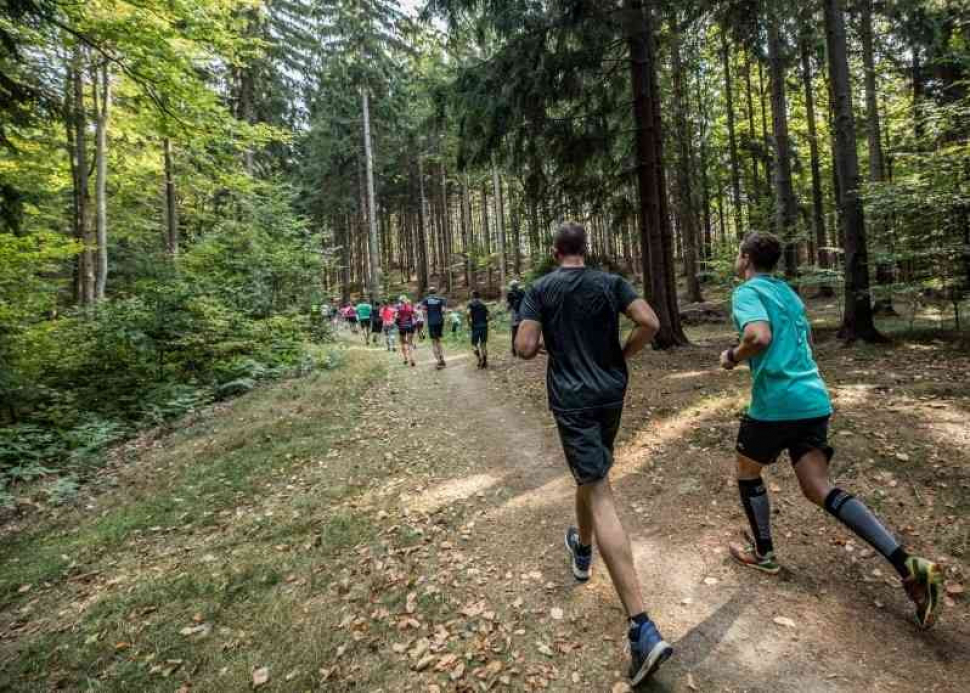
(784, 621)
(621, 687)
(690, 682)
(556, 613)
(954, 589)
(260, 677)
(710, 581)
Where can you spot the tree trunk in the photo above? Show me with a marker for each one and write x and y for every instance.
(786, 207)
(85, 232)
(422, 247)
(171, 206)
(732, 136)
(71, 136)
(100, 189)
(500, 216)
(857, 321)
(818, 200)
(752, 137)
(688, 212)
(884, 270)
(376, 273)
(654, 221)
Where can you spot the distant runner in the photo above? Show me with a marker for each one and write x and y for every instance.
(455, 322)
(388, 314)
(419, 323)
(514, 300)
(376, 323)
(363, 311)
(350, 316)
(790, 410)
(478, 320)
(405, 329)
(435, 305)
(575, 311)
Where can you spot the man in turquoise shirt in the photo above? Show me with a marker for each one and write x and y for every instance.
(790, 410)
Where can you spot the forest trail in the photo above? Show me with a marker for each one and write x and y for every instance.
(401, 530)
(834, 621)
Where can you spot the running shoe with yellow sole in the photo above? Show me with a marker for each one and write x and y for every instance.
(925, 587)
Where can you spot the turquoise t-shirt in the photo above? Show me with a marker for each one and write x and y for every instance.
(786, 384)
(363, 311)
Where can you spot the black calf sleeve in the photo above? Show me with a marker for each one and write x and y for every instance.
(754, 498)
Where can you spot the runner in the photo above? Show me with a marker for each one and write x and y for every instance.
(455, 322)
(350, 316)
(478, 319)
(435, 305)
(575, 312)
(376, 323)
(418, 324)
(387, 323)
(790, 410)
(514, 300)
(363, 312)
(405, 329)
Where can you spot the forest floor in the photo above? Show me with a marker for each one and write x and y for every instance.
(383, 528)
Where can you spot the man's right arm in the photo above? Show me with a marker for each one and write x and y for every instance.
(528, 339)
(647, 325)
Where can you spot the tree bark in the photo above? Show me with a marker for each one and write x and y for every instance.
(685, 190)
(500, 216)
(103, 76)
(171, 205)
(732, 135)
(422, 247)
(857, 320)
(884, 270)
(786, 207)
(85, 232)
(376, 273)
(818, 200)
(654, 219)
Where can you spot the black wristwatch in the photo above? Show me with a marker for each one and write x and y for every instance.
(731, 357)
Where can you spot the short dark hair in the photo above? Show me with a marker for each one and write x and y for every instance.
(764, 249)
(476, 294)
(570, 239)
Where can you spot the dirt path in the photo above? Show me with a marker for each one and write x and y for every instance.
(834, 621)
(383, 528)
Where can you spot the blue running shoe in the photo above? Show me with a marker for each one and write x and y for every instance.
(580, 563)
(647, 650)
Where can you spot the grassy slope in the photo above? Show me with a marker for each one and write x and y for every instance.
(229, 521)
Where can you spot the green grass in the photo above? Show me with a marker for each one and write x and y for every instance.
(249, 578)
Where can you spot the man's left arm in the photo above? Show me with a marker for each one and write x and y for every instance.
(755, 324)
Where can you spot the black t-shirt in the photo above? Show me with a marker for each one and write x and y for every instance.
(479, 313)
(579, 309)
(435, 307)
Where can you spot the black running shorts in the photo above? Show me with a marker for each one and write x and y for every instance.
(436, 329)
(404, 331)
(376, 327)
(479, 334)
(764, 441)
(587, 440)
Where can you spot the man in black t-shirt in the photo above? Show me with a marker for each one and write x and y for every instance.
(478, 319)
(434, 306)
(576, 311)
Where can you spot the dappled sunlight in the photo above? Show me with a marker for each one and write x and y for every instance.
(653, 436)
(436, 497)
(688, 375)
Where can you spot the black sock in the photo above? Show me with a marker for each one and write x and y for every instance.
(854, 514)
(582, 550)
(754, 498)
